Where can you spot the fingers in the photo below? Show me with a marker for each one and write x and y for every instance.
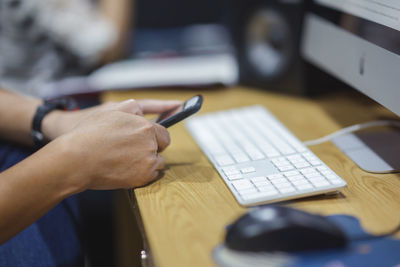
(162, 137)
(133, 107)
(159, 166)
(147, 106)
(130, 106)
(158, 106)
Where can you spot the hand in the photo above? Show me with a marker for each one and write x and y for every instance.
(111, 149)
(59, 122)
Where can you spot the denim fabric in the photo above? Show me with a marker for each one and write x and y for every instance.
(54, 240)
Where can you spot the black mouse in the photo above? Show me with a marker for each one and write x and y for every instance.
(279, 228)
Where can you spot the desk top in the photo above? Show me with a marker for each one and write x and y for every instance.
(185, 213)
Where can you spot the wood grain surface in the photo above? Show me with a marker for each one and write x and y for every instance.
(186, 212)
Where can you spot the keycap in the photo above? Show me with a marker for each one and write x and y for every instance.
(242, 184)
(248, 170)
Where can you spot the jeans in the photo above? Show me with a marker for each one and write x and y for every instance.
(53, 240)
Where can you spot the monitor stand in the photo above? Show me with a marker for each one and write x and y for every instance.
(377, 152)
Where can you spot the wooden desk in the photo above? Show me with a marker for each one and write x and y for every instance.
(185, 213)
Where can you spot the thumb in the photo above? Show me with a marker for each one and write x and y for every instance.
(130, 106)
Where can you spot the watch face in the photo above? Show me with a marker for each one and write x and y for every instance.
(37, 135)
(64, 103)
(38, 138)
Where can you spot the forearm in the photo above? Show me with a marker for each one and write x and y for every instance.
(31, 188)
(16, 113)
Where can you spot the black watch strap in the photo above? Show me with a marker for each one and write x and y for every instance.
(48, 105)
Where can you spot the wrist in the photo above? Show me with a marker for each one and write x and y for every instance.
(52, 124)
(40, 136)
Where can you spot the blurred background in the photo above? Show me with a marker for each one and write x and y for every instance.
(51, 48)
(177, 13)
(85, 46)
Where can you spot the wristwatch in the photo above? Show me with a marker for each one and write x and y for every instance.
(64, 103)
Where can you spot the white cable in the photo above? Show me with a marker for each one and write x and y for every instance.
(352, 129)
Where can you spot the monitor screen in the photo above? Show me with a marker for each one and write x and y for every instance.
(358, 42)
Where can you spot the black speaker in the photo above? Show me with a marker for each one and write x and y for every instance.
(267, 38)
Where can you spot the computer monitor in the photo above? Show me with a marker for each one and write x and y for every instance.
(358, 42)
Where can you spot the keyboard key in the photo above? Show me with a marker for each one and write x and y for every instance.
(257, 156)
(263, 184)
(281, 159)
(325, 173)
(269, 193)
(315, 162)
(241, 157)
(281, 163)
(331, 176)
(274, 176)
(312, 174)
(259, 179)
(301, 160)
(295, 157)
(279, 181)
(231, 171)
(230, 168)
(312, 158)
(300, 182)
(224, 160)
(317, 182)
(248, 170)
(301, 165)
(286, 168)
(317, 178)
(296, 177)
(283, 185)
(321, 184)
(232, 177)
(336, 181)
(242, 184)
(291, 173)
(271, 153)
(266, 188)
(308, 155)
(287, 150)
(308, 170)
(322, 168)
(247, 191)
(301, 149)
(215, 148)
(286, 190)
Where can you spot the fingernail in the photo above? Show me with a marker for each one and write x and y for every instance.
(127, 101)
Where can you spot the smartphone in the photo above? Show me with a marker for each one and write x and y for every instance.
(175, 115)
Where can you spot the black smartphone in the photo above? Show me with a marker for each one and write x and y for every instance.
(175, 115)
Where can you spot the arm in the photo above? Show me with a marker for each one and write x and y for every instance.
(16, 113)
(31, 188)
(107, 147)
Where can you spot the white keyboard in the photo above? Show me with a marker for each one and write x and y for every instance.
(259, 159)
